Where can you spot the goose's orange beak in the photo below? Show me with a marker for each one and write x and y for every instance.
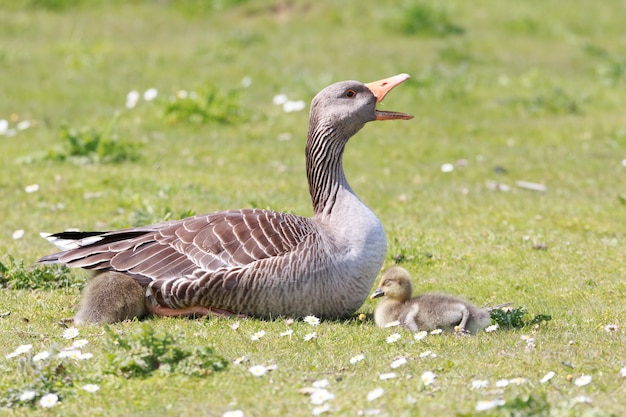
(380, 89)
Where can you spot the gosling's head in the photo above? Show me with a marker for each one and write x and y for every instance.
(396, 284)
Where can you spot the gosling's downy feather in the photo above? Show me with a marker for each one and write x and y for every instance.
(424, 312)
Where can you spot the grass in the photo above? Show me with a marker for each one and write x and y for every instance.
(504, 91)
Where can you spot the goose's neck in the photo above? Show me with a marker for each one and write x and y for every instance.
(324, 163)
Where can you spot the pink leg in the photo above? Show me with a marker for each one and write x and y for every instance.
(158, 310)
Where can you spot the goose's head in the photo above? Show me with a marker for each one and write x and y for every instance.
(348, 105)
(395, 284)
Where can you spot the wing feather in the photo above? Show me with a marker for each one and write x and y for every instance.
(189, 247)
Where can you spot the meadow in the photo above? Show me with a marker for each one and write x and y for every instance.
(121, 113)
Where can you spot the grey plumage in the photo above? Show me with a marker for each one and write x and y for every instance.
(259, 262)
(424, 312)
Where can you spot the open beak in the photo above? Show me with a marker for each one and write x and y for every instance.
(378, 292)
(380, 89)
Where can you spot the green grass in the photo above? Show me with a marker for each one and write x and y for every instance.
(528, 91)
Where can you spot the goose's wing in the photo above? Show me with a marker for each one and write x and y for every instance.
(179, 248)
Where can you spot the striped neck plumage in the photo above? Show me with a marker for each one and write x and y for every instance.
(324, 163)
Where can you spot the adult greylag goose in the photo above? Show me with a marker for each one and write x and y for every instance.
(424, 312)
(258, 262)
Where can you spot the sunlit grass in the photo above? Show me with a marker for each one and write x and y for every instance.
(523, 92)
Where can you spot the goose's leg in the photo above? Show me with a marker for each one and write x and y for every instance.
(465, 314)
(196, 311)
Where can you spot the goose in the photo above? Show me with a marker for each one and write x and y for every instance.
(424, 312)
(255, 262)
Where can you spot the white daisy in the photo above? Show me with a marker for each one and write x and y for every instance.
(436, 331)
(246, 82)
(389, 375)
(48, 400)
(240, 359)
(27, 395)
(23, 125)
(258, 335)
(288, 332)
(517, 381)
(18, 234)
(611, 328)
(582, 380)
(428, 353)
(392, 323)
(291, 106)
(279, 99)
(19, 350)
(480, 383)
(150, 94)
(322, 383)
(70, 353)
(375, 393)
(398, 362)
(447, 168)
(32, 188)
(41, 356)
(582, 399)
(501, 383)
(320, 396)
(132, 98)
(85, 356)
(492, 328)
(428, 377)
(91, 387)
(547, 377)
(235, 325)
(258, 370)
(360, 357)
(80, 343)
(393, 338)
(420, 335)
(70, 333)
(622, 372)
(234, 413)
(309, 336)
(321, 409)
(312, 320)
(484, 405)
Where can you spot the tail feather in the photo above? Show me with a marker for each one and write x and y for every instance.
(71, 240)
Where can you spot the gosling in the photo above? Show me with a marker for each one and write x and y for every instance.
(111, 297)
(424, 312)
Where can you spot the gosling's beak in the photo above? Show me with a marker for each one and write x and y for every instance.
(378, 292)
(380, 89)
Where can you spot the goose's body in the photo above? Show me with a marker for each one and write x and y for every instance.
(258, 262)
(424, 312)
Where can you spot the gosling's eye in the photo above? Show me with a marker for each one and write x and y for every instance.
(350, 93)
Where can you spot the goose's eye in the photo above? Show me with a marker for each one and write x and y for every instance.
(350, 93)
